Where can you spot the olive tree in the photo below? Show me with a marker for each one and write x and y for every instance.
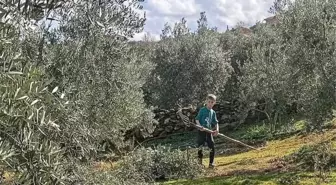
(307, 27)
(63, 92)
(291, 63)
(188, 66)
(101, 71)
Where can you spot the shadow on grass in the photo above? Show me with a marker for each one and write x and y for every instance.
(238, 179)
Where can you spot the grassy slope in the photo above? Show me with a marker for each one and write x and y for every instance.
(260, 167)
(260, 179)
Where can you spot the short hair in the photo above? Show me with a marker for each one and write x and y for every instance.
(211, 97)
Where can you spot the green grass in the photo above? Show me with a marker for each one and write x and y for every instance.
(175, 141)
(244, 132)
(229, 168)
(263, 179)
(248, 167)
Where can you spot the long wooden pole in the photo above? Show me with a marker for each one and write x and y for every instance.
(186, 120)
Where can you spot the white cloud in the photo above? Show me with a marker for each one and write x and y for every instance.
(142, 35)
(175, 7)
(232, 12)
(220, 13)
(138, 36)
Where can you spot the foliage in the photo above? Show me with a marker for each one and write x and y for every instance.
(318, 157)
(160, 163)
(289, 68)
(64, 91)
(30, 130)
(257, 132)
(94, 64)
(290, 179)
(31, 133)
(265, 83)
(107, 177)
(187, 67)
(20, 13)
(300, 125)
(275, 71)
(324, 161)
(311, 54)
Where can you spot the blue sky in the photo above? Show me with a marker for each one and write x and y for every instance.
(220, 13)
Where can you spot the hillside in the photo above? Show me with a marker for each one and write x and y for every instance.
(269, 165)
(266, 166)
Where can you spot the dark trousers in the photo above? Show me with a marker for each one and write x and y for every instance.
(203, 138)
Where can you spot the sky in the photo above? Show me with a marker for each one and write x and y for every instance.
(220, 13)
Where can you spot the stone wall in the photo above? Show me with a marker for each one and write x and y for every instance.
(169, 122)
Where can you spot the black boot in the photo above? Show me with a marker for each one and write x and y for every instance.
(211, 165)
(200, 157)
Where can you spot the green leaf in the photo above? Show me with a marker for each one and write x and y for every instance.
(54, 90)
(15, 73)
(31, 86)
(31, 116)
(44, 89)
(43, 116)
(34, 102)
(100, 24)
(17, 56)
(54, 125)
(16, 93)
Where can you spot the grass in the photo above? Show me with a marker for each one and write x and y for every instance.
(183, 140)
(234, 169)
(252, 167)
(175, 141)
(260, 179)
(274, 149)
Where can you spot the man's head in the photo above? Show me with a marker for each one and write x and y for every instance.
(210, 100)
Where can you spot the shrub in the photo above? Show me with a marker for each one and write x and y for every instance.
(300, 125)
(289, 180)
(320, 157)
(160, 163)
(257, 132)
(108, 177)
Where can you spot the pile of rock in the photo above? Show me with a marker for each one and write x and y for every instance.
(169, 121)
(226, 112)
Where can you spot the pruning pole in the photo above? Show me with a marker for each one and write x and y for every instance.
(186, 120)
(226, 137)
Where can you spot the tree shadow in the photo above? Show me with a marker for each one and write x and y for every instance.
(247, 177)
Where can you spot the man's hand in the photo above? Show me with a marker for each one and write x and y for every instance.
(215, 133)
(202, 129)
